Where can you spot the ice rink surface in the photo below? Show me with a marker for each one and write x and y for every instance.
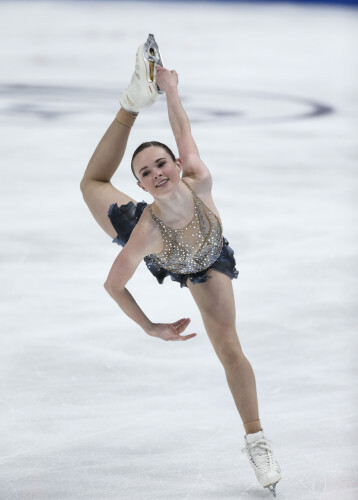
(91, 406)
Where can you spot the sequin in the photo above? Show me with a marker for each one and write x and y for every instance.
(193, 248)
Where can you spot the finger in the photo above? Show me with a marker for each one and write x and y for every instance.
(178, 324)
(184, 337)
(181, 321)
(187, 337)
(177, 336)
(176, 330)
(181, 325)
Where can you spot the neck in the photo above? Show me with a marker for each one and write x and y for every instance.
(169, 205)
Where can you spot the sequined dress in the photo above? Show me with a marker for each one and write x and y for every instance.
(193, 248)
(209, 246)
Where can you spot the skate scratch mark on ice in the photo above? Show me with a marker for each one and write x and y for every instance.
(4, 458)
(11, 408)
(204, 442)
(244, 492)
(72, 466)
(74, 440)
(306, 491)
(13, 489)
(213, 435)
(316, 486)
(199, 475)
(322, 433)
(264, 251)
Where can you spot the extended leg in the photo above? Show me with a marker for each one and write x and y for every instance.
(97, 190)
(142, 92)
(216, 303)
(215, 300)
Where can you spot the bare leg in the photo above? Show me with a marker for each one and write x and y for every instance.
(216, 303)
(97, 190)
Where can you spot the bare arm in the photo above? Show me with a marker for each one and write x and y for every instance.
(192, 164)
(122, 270)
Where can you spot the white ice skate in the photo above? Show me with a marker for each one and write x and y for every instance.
(143, 90)
(261, 457)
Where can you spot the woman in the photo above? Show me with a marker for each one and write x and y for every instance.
(178, 235)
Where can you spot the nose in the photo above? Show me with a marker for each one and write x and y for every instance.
(157, 173)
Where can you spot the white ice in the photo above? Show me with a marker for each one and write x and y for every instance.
(92, 407)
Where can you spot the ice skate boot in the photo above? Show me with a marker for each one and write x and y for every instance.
(143, 90)
(261, 457)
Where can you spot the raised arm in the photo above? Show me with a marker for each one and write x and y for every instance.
(189, 155)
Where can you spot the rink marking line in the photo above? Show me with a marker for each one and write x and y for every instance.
(55, 102)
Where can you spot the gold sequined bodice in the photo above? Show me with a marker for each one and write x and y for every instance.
(193, 248)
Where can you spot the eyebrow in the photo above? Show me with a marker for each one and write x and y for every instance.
(156, 161)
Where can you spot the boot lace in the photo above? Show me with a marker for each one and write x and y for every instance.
(260, 454)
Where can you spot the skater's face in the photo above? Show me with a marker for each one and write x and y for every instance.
(156, 171)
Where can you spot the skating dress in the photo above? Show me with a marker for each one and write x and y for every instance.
(187, 253)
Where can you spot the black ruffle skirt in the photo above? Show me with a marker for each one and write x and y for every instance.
(125, 217)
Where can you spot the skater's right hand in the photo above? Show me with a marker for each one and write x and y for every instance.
(171, 331)
(166, 79)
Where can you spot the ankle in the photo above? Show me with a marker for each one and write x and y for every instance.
(253, 427)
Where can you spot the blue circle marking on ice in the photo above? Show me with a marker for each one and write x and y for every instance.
(246, 107)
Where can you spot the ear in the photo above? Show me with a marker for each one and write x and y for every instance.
(140, 185)
(178, 164)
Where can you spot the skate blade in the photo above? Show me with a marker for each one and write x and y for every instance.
(152, 57)
(272, 488)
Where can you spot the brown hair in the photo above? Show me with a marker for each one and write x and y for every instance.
(150, 144)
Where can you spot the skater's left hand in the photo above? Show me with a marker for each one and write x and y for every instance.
(166, 79)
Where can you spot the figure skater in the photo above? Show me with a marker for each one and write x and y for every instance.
(178, 235)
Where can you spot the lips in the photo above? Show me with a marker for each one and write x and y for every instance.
(162, 183)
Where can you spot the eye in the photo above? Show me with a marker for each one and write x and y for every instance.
(145, 173)
(161, 164)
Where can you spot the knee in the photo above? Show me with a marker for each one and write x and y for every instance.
(230, 355)
(228, 348)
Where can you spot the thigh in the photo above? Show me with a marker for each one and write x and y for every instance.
(216, 302)
(99, 196)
